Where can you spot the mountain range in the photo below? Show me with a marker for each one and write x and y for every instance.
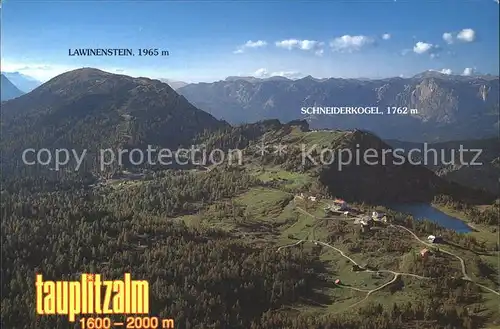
(23, 82)
(89, 109)
(8, 89)
(448, 107)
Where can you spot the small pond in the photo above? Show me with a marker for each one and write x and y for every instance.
(426, 211)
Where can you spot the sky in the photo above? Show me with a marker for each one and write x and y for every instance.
(210, 40)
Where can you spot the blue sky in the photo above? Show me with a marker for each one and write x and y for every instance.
(210, 40)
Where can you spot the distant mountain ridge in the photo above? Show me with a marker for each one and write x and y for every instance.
(23, 82)
(8, 89)
(449, 107)
(255, 79)
(174, 84)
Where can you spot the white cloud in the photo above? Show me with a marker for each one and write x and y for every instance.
(250, 44)
(307, 45)
(299, 44)
(260, 73)
(286, 74)
(468, 71)
(255, 44)
(497, 1)
(466, 35)
(443, 71)
(426, 48)
(350, 43)
(264, 73)
(386, 36)
(422, 47)
(448, 37)
(287, 44)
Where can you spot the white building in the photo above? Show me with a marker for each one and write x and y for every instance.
(435, 239)
(377, 216)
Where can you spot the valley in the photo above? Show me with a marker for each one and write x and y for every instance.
(446, 160)
(278, 240)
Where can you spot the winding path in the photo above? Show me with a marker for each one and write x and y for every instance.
(291, 245)
(367, 291)
(396, 274)
(462, 262)
(368, 271)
